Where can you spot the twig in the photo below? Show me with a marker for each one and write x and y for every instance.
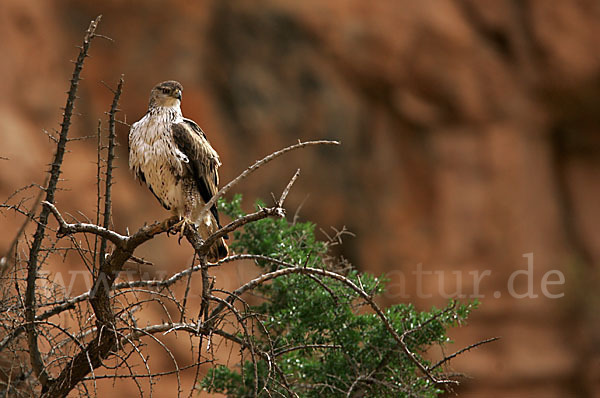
(287, 189)
(109, 165)
(203, 247)
(257, 165)
(461, 351)
(306, 347)
(98, 185)
(140, 260)
(265, 212)
(187, 289)
(65, 228)
(13, 244)
(32, 265)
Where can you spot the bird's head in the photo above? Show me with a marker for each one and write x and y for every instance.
(167, 94)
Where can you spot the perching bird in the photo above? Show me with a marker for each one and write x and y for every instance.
(173, 157)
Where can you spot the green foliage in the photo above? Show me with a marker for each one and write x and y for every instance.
(276, 238)
(300, 310)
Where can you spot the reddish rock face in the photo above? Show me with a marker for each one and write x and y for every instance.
(469, 131)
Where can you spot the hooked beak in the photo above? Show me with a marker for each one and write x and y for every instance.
(178, 94)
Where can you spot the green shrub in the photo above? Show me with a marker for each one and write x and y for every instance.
(346, 346)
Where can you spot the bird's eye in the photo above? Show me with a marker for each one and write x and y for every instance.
(165, 90)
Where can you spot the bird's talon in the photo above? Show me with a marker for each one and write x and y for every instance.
(181, 226)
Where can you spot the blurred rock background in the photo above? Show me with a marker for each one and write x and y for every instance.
(470, 134)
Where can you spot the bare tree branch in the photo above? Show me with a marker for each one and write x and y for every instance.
(98, 183)
(202, 248)
(4, 261)
(32, 266)
(109, 166)
(287, 189)
(65, 228)
(462, 351)
(306, 347)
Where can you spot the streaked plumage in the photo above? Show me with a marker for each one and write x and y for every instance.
(172, 155)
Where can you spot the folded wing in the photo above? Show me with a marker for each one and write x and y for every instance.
(203, 159)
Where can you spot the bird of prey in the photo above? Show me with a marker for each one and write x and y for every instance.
(172, 155)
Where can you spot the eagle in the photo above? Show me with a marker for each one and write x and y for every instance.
(172, 156)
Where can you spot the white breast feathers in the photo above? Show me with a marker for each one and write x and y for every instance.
(154, 156)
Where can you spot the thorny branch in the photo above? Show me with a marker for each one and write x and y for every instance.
(109, 166)
(462, 351)
(65, 228)
(4, 261)
(32, 266)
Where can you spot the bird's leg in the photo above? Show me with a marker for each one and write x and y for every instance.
(181, 226)
(183, 223)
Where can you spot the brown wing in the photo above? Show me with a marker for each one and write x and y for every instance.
(203, 159)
